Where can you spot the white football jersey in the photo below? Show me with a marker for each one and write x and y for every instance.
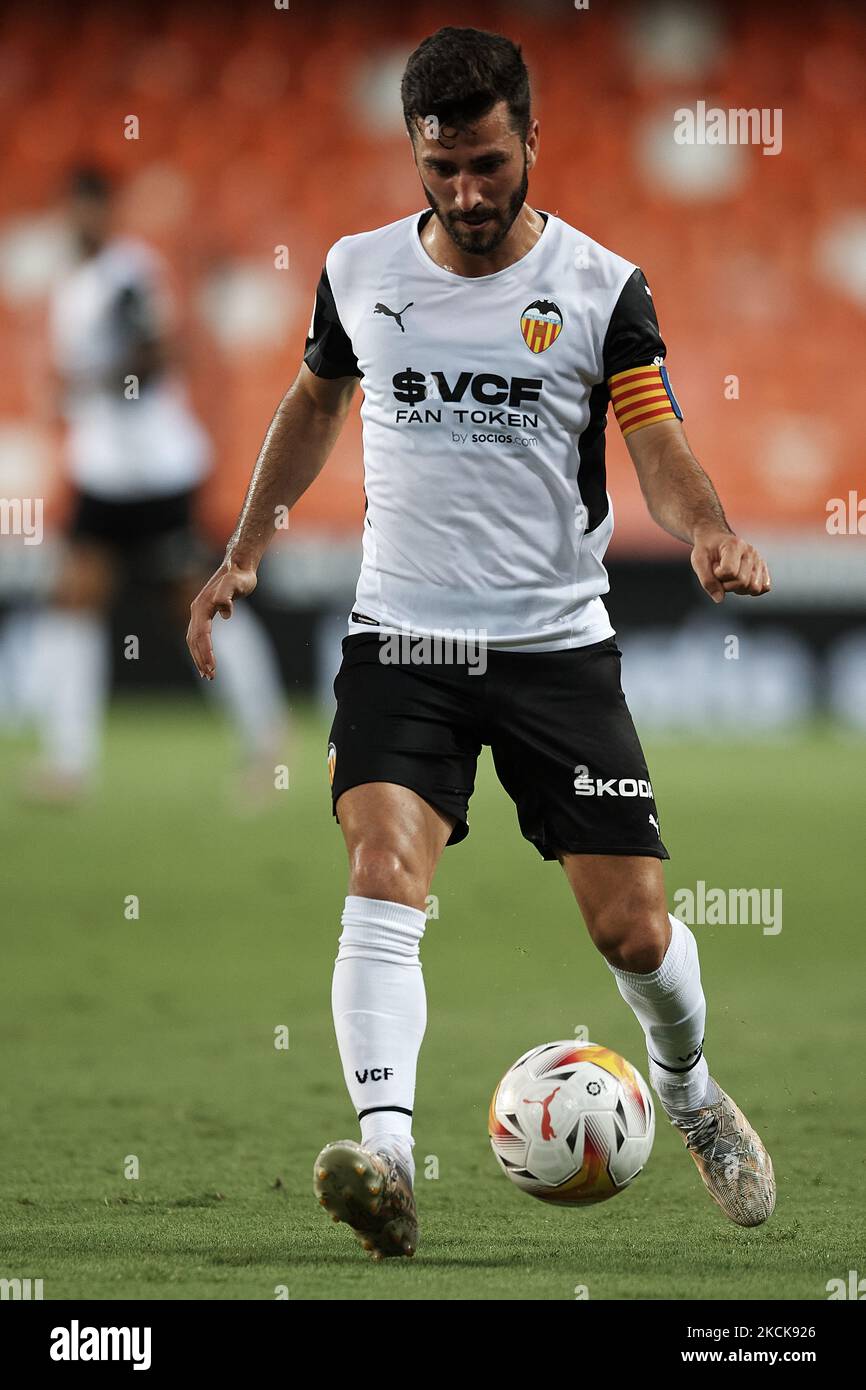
(484, 411)
(121, 447)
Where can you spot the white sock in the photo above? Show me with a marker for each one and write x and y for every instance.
(669, 1004)
(18, 633)
(248, 681)
(72, 676)
(380, 1014)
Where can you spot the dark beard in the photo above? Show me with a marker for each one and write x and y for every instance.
(481, 243)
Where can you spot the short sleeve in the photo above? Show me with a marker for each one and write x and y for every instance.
(633, 356)
(328, 351)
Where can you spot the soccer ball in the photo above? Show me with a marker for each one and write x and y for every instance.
(572, 1122)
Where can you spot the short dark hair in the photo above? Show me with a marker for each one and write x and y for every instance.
(89, 181)
(458, 76)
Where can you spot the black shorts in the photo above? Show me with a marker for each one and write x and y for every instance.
(562, 739)
(153, 533)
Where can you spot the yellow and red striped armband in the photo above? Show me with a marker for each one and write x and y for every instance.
(642, 396)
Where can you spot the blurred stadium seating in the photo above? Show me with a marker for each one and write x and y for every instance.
(262, 127)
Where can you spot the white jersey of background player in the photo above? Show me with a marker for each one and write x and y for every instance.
(115, 451)
(135, 454)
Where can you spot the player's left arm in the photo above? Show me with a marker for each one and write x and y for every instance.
(682, 500)
(678, 493)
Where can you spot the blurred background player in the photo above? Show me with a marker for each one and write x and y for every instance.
(136, 455)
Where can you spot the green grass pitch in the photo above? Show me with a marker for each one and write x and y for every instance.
(155, 1037)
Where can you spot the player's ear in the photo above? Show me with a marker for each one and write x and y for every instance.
(532, 138)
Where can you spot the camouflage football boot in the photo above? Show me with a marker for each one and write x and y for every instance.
(731, 1158)
(372, 1193)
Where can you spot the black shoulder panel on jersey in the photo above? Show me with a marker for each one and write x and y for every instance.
(591, 471)
(632, 338)
(134, 314)
(328, 351)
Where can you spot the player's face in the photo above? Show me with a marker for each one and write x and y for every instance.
(89, 219)
(476, 180)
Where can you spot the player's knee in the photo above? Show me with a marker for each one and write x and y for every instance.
(81, 597)
(84, 584)
(631, 935)
(386, 872)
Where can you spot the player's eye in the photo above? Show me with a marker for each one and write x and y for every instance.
(448, 170)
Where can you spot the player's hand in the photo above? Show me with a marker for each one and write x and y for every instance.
(218, 596)
(726, 564)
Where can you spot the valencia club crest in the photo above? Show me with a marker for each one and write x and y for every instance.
(540, 324)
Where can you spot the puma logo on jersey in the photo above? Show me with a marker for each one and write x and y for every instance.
(652, 820)
(394, 313)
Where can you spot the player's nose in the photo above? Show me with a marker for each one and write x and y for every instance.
(467, 193)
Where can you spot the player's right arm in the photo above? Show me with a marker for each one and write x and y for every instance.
(296, 447)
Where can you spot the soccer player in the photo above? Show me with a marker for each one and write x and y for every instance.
(490, 338)
(136, 456)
